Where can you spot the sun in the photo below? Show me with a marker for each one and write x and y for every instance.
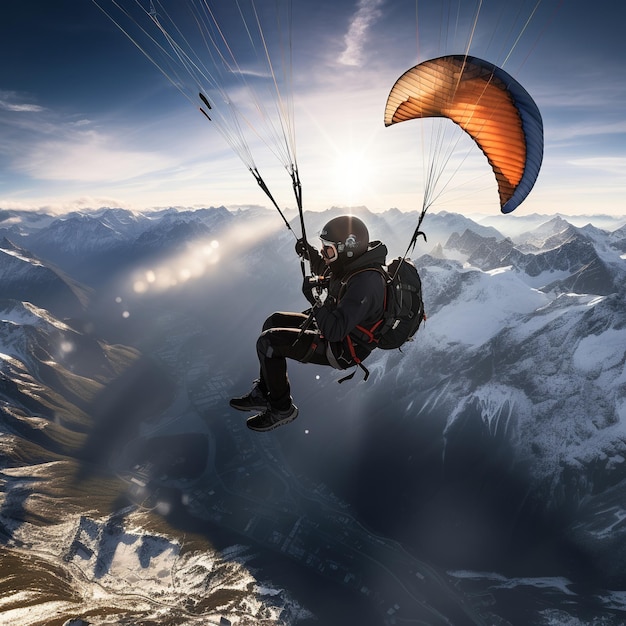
(352, 176)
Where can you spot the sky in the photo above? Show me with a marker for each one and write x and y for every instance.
(87, 120)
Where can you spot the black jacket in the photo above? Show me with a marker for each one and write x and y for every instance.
(355, 298)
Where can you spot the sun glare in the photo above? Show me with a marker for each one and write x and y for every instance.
(198, 259)
(352, 174)
(177, 270)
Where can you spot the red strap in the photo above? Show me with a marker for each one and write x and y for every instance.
(357, 361)
(369, 333)
(355, 358)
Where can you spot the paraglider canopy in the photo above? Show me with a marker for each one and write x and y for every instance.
(488, 104)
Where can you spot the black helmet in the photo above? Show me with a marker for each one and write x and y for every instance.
(344, 238)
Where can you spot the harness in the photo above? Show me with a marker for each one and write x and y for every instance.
(368, 336)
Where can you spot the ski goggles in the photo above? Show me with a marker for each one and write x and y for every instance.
(329, 251)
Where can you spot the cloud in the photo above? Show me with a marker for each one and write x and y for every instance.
(9, 101)
(367, 13)
(87, 156)
(61, 206)
(585, 128)
(47, 156)
(29, 108)
(615, 166)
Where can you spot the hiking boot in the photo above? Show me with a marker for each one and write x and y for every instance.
(272, 418)
(254, 400)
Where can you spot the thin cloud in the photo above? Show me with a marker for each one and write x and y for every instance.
(9, 101)
(569, 132)
(564, 93)
(367, 13)
(28, 108)
(87, 157)
(615, 166)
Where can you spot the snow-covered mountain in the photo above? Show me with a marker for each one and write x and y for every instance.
(569, 260)
(116, 238)
(24, 277)
(77, 539)
(523, 355)
(479, 470)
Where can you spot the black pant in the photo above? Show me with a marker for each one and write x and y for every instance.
(280, 340)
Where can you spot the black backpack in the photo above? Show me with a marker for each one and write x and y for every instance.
(404, 307)
(402, 316)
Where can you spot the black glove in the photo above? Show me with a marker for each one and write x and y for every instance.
(305, 250)
(309, 289)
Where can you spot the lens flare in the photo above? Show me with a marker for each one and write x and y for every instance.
(67, 347)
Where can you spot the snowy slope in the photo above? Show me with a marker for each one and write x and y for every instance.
(63, 557)
(24, 277)
(524, 347)
(548, 346)
(118, 571)
(542, 370)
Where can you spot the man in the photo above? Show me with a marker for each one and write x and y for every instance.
(334, 333)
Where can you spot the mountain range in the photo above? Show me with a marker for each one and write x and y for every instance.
(475, 478)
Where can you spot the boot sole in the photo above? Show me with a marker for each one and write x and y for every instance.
(282, 422)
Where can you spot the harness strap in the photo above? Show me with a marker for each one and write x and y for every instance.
(331, 357)
(356, 359)
(369, 332)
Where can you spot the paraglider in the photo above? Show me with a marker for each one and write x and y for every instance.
(349, 267)
(488, 104)
(367, 305)
(363, 298)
